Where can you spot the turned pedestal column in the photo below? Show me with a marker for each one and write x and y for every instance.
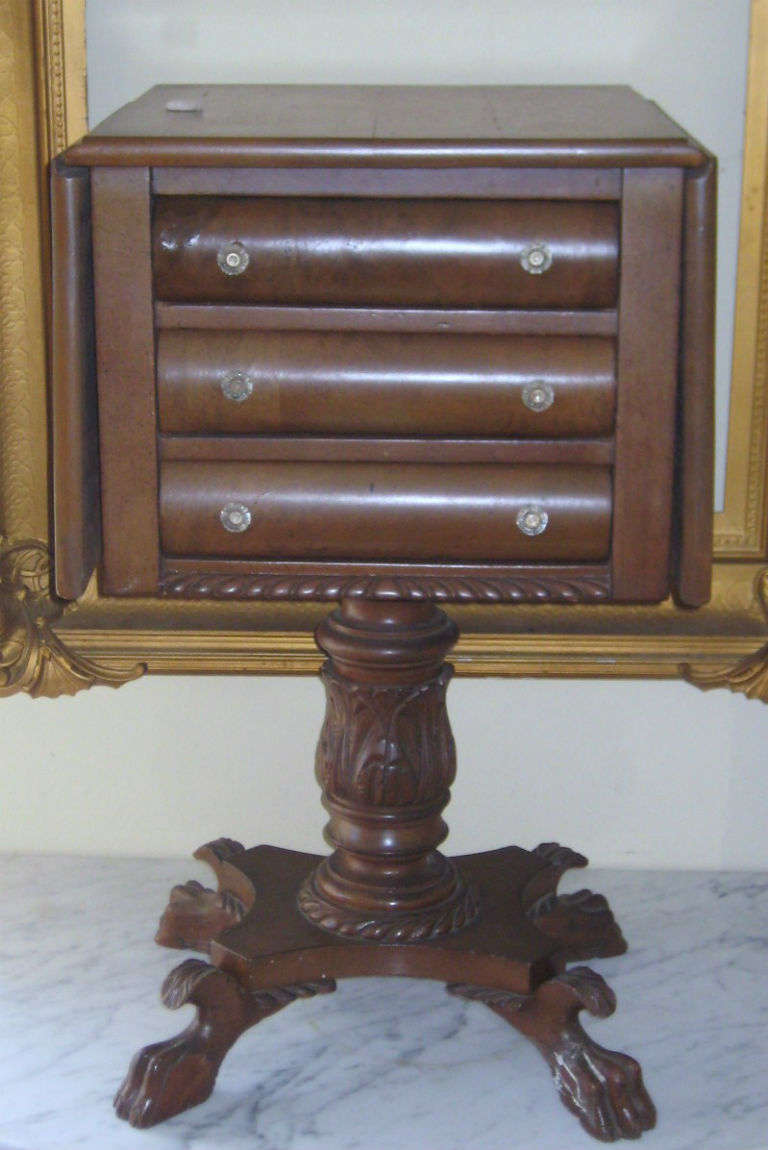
(386, 760)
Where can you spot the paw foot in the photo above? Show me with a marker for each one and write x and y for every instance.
(604, 1089)
(163, 1080)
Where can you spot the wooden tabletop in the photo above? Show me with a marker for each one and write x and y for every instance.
(263, 124)
(284, 111)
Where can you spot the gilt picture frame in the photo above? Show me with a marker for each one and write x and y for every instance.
(49, 648)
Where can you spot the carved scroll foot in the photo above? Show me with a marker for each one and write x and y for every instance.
(169, 1077)
(603, 1088)
(582, 922)
(195, 915)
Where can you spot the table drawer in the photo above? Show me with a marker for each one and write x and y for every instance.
(350, 383)
(382, 252)
(362, 511)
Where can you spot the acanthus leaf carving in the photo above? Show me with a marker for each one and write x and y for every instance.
(750, 675)
(32, 657)
(386, 745)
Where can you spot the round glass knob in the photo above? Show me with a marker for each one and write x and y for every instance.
(536, 258)
(538, 396)
(235, 517)
(532, 520)
(232, 258)
(237, 387)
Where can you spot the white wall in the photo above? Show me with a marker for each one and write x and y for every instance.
(634, 774)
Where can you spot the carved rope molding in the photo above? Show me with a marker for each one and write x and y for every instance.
(750, 675)
(32, 657)
(446, 588)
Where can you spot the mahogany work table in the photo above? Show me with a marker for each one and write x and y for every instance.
(386, 347)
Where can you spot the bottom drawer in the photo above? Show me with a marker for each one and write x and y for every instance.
(386, 512)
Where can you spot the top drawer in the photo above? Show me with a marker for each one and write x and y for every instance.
(382, 252)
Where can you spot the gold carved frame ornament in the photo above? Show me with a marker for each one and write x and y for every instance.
(47, 648)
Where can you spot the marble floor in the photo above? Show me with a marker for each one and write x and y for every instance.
(382, 1064)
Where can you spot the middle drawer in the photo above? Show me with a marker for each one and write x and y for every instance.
(385, 384)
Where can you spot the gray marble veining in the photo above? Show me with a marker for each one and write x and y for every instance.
(383, 1064)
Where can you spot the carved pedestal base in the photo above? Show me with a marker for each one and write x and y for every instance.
(512, 957)
(283, 925)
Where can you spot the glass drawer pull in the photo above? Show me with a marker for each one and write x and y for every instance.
(232, 258)
(532, 520)
(235, 517)
(237, 387)
(538, 396)
(536, 258)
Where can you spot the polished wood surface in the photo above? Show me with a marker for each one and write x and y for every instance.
(408, 512)
(402, 183)
(386, 760)
(695, 477)
(413, 126)
(303, 580)
(609, 112)
(386, 316)
(76, 506)
(125, 358)
(393, 449)
(384, 384)
(498, 321)
(649, 318)
(381, 252)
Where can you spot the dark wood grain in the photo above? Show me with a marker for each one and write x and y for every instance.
(648, 370)
(385, 761)
(417, 252)
(275, 956)
(458, 583)
(76, 508)
(364, 449)
(443, 127)
(126, 380)
(169, 1077)
(385, 112)
(466, 183)
(695, 479)
(392, 365)
(265, 317)
(387, 901)
(603, 1088)
(374, 512)
(341, 384)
